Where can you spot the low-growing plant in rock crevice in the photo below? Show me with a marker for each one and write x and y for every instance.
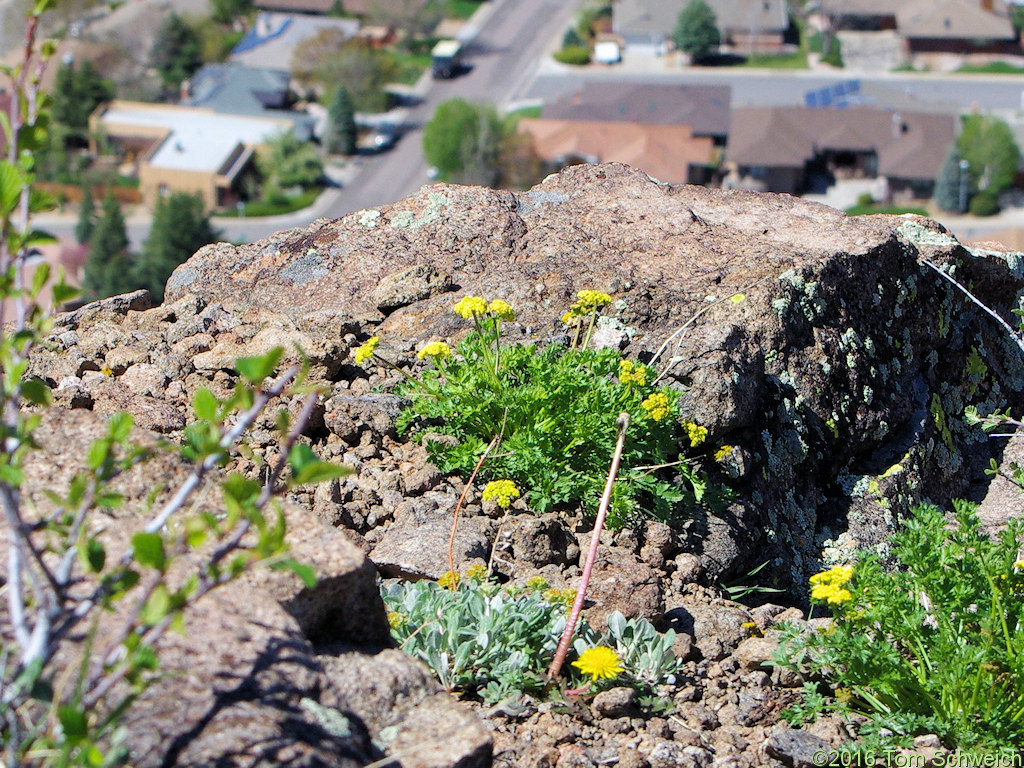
(934, 645)
(495, 642)
(553, 410)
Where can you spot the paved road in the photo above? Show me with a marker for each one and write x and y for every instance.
(503, 56)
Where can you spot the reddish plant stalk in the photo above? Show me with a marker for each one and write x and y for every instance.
(622, 424)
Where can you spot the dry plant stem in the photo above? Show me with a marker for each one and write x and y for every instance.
(458, 507)
(691, 321)
(1015, 335)
(622, 424)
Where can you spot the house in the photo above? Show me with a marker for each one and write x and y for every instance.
(324, 7)
(932, 26)
(704, 108)
(796, 149)
(669, 153)
(275, 36)
(743, 24)
(184, 149)
(862, 15)
(234, 89)
(957, 26)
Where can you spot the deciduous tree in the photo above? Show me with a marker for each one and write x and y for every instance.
(987, 144)
(696, 31)
(320, 64)
(463, 141)
(287, 162)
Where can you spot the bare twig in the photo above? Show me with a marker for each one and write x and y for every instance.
(621, 424)
(1016, 335)
(701, 312)
(462, 500)
(226, 442)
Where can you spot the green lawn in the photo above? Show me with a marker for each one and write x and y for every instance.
(994, 68)
(864, 210)
(258, 208)
(410, 65)
(796, 60)
(462, 9)
(527, 112)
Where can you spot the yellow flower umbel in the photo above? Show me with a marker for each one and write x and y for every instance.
(657, 406)
(476, 572)
(632, 373)
(434, 349)
(829, 585)
(502, 310)
(365, 351)
(471, 306)
(449, 580)
(601, 663)
(696, 433)
(564, 597)
(590, 301)
(502, 492)
(724, 452)
(536, 584)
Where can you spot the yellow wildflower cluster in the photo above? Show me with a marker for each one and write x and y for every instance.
(365, 351)
(830, 585)
(476, 572)
(696, 433)
(501, 492)
(723, 453)
(435, 349)
(565, 597)
(601, 663)
(536, 583)
(657, 406)
(396, 619)
(587, 302)
(632, 373)
(470, 306)
(449, 580)
(502, 310)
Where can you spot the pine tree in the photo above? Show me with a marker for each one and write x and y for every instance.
(341, 129)
(696, 31)
(947, 183)
(108, 265)
(180, 228)
(86, 215)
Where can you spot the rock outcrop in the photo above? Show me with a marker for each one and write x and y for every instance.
(829, 364)
(838, 380)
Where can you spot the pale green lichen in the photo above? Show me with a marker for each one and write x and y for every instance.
(368, 218)
(436, 203)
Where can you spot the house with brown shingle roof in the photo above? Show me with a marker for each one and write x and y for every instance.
(933, 26)
(649, 23)
(789, 149)
(668, 153)
(705, 108)
(324, 7)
